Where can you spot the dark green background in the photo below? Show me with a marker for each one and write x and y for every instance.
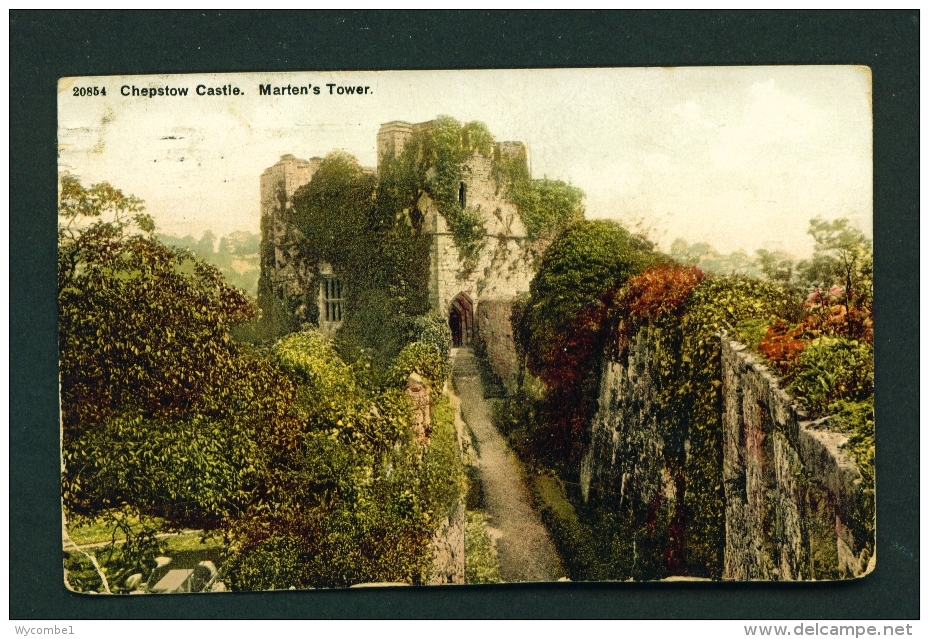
(45, 46)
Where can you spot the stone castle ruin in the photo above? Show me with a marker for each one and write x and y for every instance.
(475, 299)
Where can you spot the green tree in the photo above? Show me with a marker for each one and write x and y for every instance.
(776, 266)
(161, 410)
(842, 256)
(560, 329)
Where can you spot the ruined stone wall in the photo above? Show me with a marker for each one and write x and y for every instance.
(630, 476)
(448, 549)
(503, 269)
(627, 447)
(278, 183)
(505, 265)
(795, 504)
(495, 331)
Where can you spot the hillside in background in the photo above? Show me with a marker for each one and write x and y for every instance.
(707, 258)
(235, 255)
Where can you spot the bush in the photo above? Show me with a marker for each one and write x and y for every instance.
(327, 390)
(192, 473)
(560, 331)
(423, 359)
(577, 269)
(782, 345)
(273, 564)
(432, 329)
(362, 499)
(831, 369)
(481, 565)
(80, 574)
(658, 291)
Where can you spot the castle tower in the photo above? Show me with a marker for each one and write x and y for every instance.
(391, 138)
(278, 184)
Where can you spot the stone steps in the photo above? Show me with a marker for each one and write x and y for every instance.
(464, 364)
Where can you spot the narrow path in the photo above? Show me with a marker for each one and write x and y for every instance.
(524, 548)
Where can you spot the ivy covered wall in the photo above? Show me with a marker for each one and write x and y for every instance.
(699, 463)
(448, 212)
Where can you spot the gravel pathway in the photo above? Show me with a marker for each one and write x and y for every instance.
(524, 548)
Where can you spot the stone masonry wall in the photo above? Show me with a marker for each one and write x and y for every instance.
(448, 541)
(626, 451)
(795, 504)
(505, 265)
(278, 183)
(795, 507)
(496, 333)
(448, 549)
(631, 476)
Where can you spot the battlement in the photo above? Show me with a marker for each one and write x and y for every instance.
(393, 136)
(512, 149)
(289, 174)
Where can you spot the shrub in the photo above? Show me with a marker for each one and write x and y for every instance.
(80, 574)
(827, 313)
(327, 387)
(582, 264)
(751, 332)
(193, 472)
(782, 345)
(432, 329)
(360, 499)
(481, 565)
(831, 369)
(423, 359)
(273, 564)
(660, 290)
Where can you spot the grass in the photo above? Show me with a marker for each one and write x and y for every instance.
(185, 550)
(574, 539)
(101, 531)
(191, 543)
(481, 564)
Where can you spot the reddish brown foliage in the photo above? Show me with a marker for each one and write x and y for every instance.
(782, 344)
(660, 290)
(826, 314)
(570, 365)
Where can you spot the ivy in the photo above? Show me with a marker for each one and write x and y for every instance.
(344, 218)
(361, 501)
(449, 145)
(545, 206)
(560, 329)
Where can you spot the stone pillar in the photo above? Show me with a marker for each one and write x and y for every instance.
(422, 407)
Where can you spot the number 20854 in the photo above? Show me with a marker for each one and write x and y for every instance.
(88, 91)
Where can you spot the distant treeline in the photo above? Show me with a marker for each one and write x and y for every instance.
(235, 255)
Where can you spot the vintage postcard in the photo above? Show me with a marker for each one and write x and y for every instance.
(347, 329)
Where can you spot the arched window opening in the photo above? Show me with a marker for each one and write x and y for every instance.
(463, 195)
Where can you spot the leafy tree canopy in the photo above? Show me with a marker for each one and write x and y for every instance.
(580, 265)
(843, 256)
(149, 371)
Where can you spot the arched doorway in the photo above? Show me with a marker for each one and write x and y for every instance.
(461, 320)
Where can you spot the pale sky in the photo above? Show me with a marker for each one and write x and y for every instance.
(740, 157)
